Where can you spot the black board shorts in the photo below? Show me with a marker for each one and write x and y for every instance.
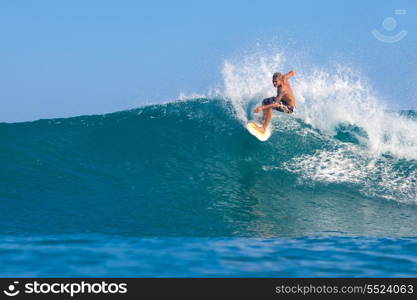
(284, 107)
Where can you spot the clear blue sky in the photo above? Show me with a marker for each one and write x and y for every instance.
(66, 58)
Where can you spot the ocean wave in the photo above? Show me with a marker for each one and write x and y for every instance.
(188, 138)
(190, 168)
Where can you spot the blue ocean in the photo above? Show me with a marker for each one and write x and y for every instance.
(181, 189)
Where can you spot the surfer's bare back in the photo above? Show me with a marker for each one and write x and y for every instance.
(284, 101)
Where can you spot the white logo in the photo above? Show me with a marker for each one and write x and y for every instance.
(70, 288)
(11, 291)
(389, 24)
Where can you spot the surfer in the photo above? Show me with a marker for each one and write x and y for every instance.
(284, 101)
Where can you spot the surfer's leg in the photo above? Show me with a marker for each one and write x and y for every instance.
(267, 118)
(267, 101)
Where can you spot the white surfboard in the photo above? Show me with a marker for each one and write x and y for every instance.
(253, 129)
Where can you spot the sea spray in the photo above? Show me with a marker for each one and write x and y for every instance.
(336, 101)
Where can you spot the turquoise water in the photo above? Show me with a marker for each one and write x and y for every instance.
(182, 189)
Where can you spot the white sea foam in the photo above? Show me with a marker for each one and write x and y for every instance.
(383, 177)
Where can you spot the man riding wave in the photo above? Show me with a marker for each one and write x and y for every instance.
(284, 101)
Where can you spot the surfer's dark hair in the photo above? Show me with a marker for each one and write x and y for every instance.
(276, 75)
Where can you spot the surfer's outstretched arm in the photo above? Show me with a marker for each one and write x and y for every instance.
(290, 74)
